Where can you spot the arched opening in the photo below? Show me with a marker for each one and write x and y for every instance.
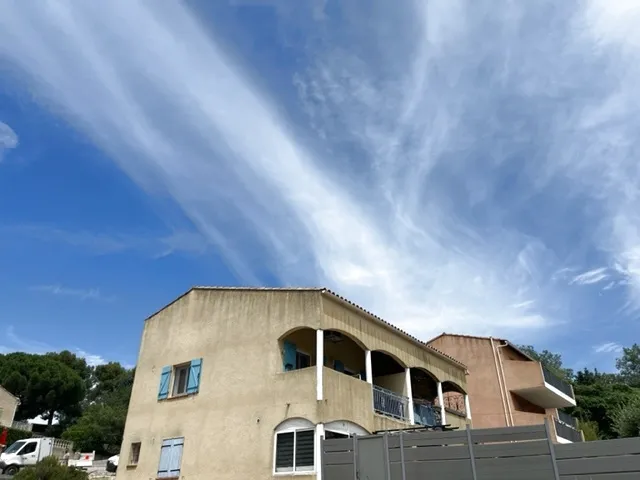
(424, 388)
(295, 443)
(453, 397)
(343, 429)
(344, 354)
(389, 386)
(298, 349)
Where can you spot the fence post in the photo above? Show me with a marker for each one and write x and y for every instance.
(404, 473)
(471, 455)
(386, 456)
(355, 458)
(552, 450)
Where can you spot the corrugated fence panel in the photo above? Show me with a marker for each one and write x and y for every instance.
(515, 453)
(601, 448)
(422, 454)
(537, 467)
(445, 470)
(339, 472)
(508, 434)
(425, 439)
(518, 449)
(595, 465)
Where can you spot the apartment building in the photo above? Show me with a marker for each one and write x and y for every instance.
(8, 406)
(509, 388)
(242, 383)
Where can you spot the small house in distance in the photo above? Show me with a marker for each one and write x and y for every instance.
(8, 406)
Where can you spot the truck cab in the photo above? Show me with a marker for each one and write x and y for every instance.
(29, 451)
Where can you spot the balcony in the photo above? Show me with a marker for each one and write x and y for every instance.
(567, 430)
(538, 385)
(390, 404)
(425, 413)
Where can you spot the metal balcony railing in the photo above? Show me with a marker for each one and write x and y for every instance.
(391, 404)
(554, 380)
(567, 432)
(567, 419)
(425, 413)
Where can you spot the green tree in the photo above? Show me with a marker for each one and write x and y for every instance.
(553, 361)
(628, 365)
(101, 425)
(626, 419)
(44, 385)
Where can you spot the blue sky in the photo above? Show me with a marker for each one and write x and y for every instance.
(450, 165)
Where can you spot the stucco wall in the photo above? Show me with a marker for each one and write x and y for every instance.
(244, 394)
(488, 408)
(8, 406)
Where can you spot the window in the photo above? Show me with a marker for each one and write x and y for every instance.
(185, 378)
(294, 359)
(134, 454)
(170, 458)
(29, 448)
(295, 451)
(303, 360)
(180, 377)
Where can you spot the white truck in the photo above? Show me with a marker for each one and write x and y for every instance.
(29, 451)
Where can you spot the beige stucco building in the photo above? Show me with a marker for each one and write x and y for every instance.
(8, 406)
(241, 383)
(509, 388)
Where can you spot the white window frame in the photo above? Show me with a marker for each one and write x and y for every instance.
(295, 430)
(174, 379)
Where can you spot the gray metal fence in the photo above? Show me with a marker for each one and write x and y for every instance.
(522, 453)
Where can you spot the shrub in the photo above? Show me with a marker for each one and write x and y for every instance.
(50, 469)
(626, 420)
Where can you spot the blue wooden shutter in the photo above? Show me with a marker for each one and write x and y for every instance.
(338, 366)
(289, 356)
(176, 457)
(193, 384)
(165, 376)
(363, 375)
(165, 458)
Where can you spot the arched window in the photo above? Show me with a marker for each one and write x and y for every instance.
(294, 449)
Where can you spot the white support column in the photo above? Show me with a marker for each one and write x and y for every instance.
(443, 417)
(318, 455)
(467, 406)
(368, 367)
(319, 363)
(407, 381)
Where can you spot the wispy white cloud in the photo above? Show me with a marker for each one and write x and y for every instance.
(81, 293)
(608, 347)
(590, 277)
(109, 243)
(416, 93)
(18, 343)
(8, 139)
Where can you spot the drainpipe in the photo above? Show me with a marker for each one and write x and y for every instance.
(504, 382)
(368, 367)
(495, 362)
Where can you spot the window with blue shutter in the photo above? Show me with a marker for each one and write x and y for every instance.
(170, 458)
(289, 356)
(338, 366)
(165, 378)
(193, 383)
(363, 375)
